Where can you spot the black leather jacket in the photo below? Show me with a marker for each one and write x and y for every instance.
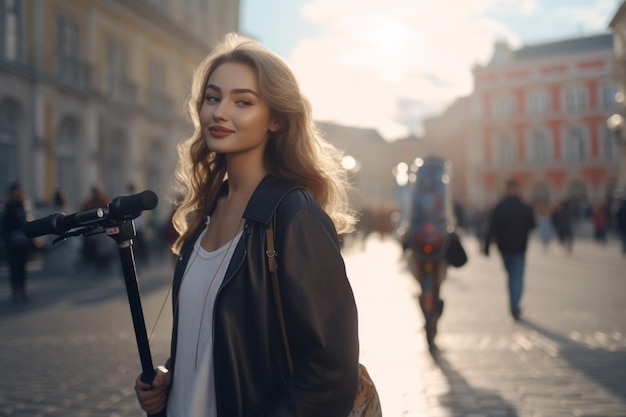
(251, 372)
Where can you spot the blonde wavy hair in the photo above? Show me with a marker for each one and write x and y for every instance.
(296, 152)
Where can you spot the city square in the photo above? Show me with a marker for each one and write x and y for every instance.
(72, 351)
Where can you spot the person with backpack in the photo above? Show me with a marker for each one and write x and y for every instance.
(256, 164)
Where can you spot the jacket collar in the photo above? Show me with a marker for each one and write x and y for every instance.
(265, 199)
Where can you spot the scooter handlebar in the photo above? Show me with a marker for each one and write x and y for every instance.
(121, 208)
(45, 226)
(124, 206)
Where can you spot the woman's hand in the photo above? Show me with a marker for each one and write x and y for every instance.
(153, 397)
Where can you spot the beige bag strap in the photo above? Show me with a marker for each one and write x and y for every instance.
(273, 266)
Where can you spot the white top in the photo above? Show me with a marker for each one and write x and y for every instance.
(193, 390)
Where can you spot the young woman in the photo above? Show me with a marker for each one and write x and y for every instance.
(255, 159)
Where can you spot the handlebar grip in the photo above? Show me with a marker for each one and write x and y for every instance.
(44, 226)
(130, 205)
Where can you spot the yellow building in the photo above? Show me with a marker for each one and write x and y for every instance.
(94, 91)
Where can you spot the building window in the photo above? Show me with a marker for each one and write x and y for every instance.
(115, 162)
(66, 161)
(505, 149)
(157, 96)
(68, 49)
(538, 103)
(576, 148)
(8, 145)
(575, 100)
(116, 68)
(156, 78)
(11, 29)
(539, 146)
(607, 93)
(504, 107)
(610, 145)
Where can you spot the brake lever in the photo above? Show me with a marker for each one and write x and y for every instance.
(85, 231)
(76, 232)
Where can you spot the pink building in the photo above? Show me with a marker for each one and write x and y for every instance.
(537, 114)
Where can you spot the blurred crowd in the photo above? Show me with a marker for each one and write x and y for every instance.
(565, 221)
(562, 223)
(95, 255)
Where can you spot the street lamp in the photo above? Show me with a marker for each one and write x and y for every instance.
(350, 164)
(615, 122)
(401, 172)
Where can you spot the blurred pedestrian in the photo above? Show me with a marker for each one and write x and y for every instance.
(509, 225)
(600, 221)
(16, 213)
(563, 218)
(59, 202)
(544, 225)
(255, 165)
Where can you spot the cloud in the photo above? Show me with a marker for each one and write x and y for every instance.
(375, 60)
(374, 57)
(520, 7)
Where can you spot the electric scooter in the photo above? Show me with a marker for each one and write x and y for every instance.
(116, 220)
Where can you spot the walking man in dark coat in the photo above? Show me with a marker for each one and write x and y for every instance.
(16, 213)
(509, 226)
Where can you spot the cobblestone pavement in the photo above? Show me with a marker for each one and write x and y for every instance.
(72, 351)
(567, 357)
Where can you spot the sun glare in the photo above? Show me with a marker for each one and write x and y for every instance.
(388, 33)
(388, 40)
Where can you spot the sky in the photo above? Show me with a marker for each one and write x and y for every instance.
(389, 64)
